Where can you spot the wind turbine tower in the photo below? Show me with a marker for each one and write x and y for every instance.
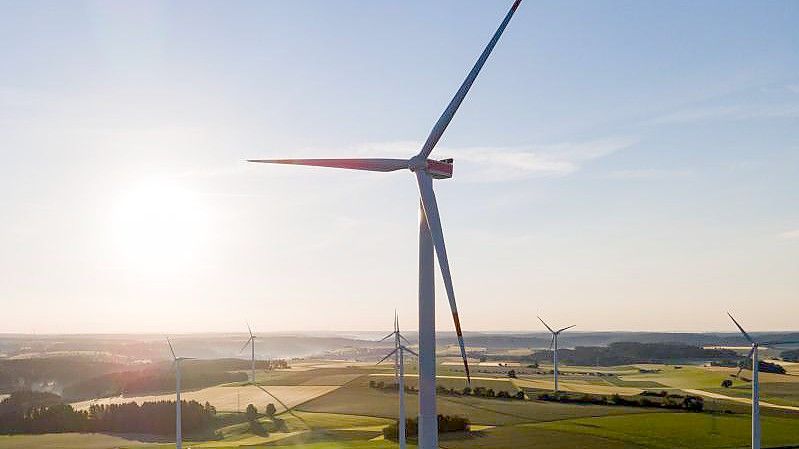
(431, 238)
(250, 341)
(399, 374)
(178, 428)
(755, 378)
(553, 345)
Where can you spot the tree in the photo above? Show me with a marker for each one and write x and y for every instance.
(512, 374)
(251, 412)
(726, 383)
(270, 410)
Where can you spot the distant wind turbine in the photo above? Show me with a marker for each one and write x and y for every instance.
(755, 378)
(176, 362)
(430, 236)
(553, 346)
(399, 375)
(250, 341)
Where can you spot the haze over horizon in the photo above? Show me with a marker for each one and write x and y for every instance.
(617, 166)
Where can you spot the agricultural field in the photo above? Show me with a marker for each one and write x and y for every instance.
(672, 430)
(331, 405)
(229, 398)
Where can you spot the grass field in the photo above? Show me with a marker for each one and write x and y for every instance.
(358, 399)
(522, 436)
(783, 393)
(680, 430)
(334, 407)
(68, 441)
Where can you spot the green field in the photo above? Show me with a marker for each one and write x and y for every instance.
(358, 399)
(352, 415)
(683, 430)
(783, 393)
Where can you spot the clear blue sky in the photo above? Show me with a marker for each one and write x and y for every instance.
(619, 165)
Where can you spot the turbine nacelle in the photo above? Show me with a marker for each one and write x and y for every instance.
(437, 169)
(440, 169)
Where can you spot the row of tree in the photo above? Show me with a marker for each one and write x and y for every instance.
(790, 355)
(622, 353)
(645, 399)
(446, 423)
(441, 390)
(32, 412)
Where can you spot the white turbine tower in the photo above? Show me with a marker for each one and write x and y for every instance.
(250, 341)
(176, 363)
(553, 345)
(430, 236)
(755, 379)
(399, 375)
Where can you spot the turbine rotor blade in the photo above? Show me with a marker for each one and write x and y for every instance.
(249, 330)
(245, 345)
(405, 348)
(389, 335)
(404, 339)
(454, 104)
(552, 342)
(430, 207)
(545, 324)
(567, 327)
(748, 357)
(171, 350)
(370, 164)
(386, 357)
(741, 329)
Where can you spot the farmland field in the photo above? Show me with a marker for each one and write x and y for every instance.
(672, 430)
(358, 399)
(228, 398)
(334, 407)
(68, 441)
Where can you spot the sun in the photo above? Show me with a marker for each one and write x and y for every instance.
(158, 226)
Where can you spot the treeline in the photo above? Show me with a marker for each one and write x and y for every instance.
(763, 366)
(655, 399)
(623, 353)
(446, 423)
(481, 392)
(32, 412)
(790, 355)
(50, 373)
(78, 377)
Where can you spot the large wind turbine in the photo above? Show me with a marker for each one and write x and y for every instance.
(554, 347)
(430, 237)
(176, 362)
(250, 341)
(755, 379)
(399, 375)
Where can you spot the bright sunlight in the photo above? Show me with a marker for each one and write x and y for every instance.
(158, 226)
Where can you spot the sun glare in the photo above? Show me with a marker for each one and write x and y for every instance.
(159, 226)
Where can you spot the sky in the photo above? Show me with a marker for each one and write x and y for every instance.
(619, 165)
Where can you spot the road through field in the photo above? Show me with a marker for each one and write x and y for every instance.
(741, 400)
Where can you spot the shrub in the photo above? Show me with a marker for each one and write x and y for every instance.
(446, 423)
